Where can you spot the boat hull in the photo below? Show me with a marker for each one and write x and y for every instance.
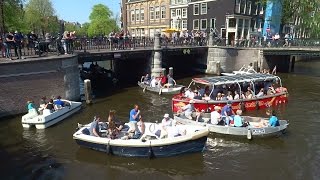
(247, 104)
(174, 90)
(193, 141)
(191, 146)
(45, 121)
(240, 131)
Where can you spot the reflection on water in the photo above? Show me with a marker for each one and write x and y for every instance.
(183, 165)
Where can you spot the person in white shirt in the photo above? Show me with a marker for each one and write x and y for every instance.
(174, 130)
(215, 115)
(260, 94)
(153, 82)
(236, 95)
(166, 122)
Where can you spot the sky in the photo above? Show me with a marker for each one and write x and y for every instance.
(79, 10)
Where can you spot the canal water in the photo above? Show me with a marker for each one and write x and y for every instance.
(52, 153)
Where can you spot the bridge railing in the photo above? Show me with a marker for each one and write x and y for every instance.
(55, 47)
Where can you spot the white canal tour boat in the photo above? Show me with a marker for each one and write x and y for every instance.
(47, 118)
(253, 130)
(149, 145)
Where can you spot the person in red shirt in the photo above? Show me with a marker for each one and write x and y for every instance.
(163, 79)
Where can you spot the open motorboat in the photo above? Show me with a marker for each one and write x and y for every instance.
(48, 118)
(149, 144)
(242, 70)
(279, 97)
(254, 129)
(175, 89)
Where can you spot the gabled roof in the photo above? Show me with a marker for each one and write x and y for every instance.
(219, 80)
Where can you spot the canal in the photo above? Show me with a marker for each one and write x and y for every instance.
(52, 153)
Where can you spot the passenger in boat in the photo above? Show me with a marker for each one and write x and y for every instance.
(271, 90)
(273, 120)
(236, 95)
(188, 93)
(242, 95)
(227, 113)
(215, 116)
(154, 82)
(58, 103)
(112, 117)
(197, 95)
(188, 109)
(229, 96)
(224, 97)
(163, 79)
(147, 79)
(134, 114)
(113, 130)
(171, 82)
(50, 106)
(94, 127)
(165, 123)
(32, 111)
(219, 97)
(175, 131)
(261, 93)
(249, 95)
(238, 120)
(250, 66)
(141, 126)
(133, 132)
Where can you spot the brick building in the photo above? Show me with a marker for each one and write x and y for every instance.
(145, 17)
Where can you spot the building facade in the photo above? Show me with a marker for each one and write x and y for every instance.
(145, 17)
(231, 19)
(179, 14)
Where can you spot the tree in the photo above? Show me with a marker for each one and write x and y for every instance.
(39, 13)
(11, 15)
(101, 21)
(83, 31)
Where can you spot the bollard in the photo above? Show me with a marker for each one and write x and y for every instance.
(171, 71)
(163, 71)
(87, 91)
(218, 68)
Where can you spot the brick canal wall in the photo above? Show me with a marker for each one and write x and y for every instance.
(31, 79)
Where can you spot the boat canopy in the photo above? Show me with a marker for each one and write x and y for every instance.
(220, 80)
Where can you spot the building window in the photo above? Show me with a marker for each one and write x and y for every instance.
(173, 13)
(179, 1)
(213, 23)
(142, 14)
(172, 24)
(249, 7)
(184, 24)
(237, 6)
(184, 12)
(196, 24)
(240, 23)
(157, 12)
(246, 23)
(256, 10)
(178, 12)
(232, 22)
(163, 12)
(243, 6)
(151, 13)
(203, 24)
(151, 32)
(204, 8)
(132, 16)
(137, 15)
(196, 9)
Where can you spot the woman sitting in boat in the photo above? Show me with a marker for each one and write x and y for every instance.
(147, 79)
(42, 104)
(32, 112)
(112, 127)
(50, 106)
(58, 103)
(238, 120)
(273, 120)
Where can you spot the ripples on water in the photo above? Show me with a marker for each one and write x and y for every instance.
(52, 153)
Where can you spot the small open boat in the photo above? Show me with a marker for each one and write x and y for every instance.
(48, 118)
(161, 90)
(148, 145)
(253, 130)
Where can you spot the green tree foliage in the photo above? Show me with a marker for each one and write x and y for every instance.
(83, 31)
(11, 15)
(40, 15)
(101, 21)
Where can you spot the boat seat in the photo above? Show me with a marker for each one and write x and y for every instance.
(86, 131)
